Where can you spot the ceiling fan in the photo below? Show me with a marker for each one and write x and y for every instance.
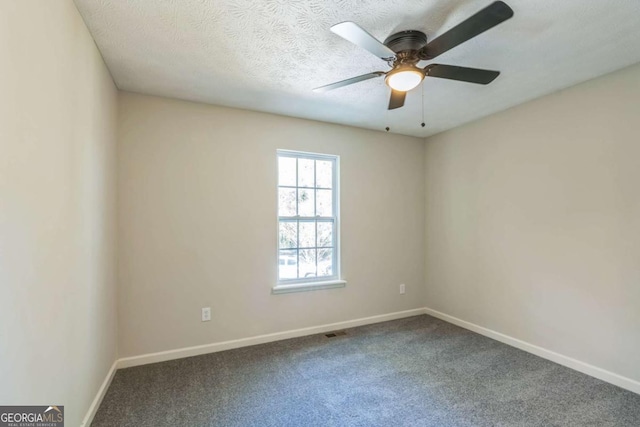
(403, 50)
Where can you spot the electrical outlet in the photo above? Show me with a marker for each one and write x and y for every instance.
(402, 288)
(206, 314)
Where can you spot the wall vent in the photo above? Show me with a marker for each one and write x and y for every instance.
(335, 334)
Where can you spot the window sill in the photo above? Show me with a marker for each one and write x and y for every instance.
(309, 286)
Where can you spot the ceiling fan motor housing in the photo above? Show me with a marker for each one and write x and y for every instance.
(406, 41)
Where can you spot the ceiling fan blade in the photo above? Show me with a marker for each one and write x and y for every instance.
(355, 34)
(350, 81)
(397, 99)
(487, 18)
(463, 74)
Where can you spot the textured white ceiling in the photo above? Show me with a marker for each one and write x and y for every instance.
(267, 55)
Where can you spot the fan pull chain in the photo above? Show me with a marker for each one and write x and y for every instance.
(422, 124)
(386, 119)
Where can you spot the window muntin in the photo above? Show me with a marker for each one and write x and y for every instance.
(307, 217)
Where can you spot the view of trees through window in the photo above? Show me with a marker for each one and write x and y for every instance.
(306, 215)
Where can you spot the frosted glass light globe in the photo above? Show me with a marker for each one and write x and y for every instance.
(404, 79)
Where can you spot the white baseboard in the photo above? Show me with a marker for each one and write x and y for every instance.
(585, 368)
(88, 419)
(127, 362)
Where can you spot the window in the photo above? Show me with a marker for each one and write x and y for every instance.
(307, 221)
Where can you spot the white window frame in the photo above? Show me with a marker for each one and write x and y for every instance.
(311, 283)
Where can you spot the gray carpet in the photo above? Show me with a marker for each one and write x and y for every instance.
(418, 371)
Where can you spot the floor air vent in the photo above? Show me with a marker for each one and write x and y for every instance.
(335, 334)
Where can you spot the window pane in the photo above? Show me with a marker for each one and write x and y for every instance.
(287, 171)
(307, 263)
(324, 174)
(288, 234)
(306, 173)
(324, 203)
(325, 233)
(305, 202)
(325, 262)
(288, 265)
(287, 202)
(307, 234)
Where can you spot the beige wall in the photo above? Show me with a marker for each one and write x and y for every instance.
(57, 213)
(197, 223)
(533, 222)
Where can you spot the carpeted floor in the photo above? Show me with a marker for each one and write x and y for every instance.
(418, 371)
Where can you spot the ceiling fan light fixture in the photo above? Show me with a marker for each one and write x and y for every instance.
(404, 78)
(405, 49)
